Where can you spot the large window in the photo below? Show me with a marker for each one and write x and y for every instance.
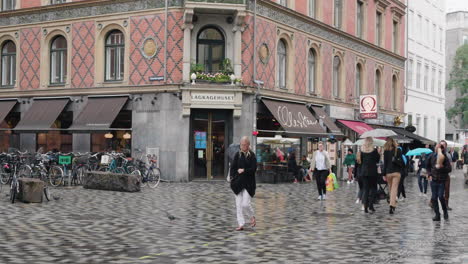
(377, 86)
(8, 65)
(58, 60)
(378, 29)
(8, 5)
(338, 13)
(336, 76)
(418, 76)
(395, 36)
(311, 63)
(358, 84)
(115, 48)
(359, 19)
(211, 49)
(394, 92)
(282, 64)
(426, 74)
(312, 8)
(433, 80)
(410, 72)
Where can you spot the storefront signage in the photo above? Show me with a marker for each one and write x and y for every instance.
(289, 119)
(200, 140)
(368, 106)
(213, 97)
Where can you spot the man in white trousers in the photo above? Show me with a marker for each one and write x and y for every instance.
(243, 184)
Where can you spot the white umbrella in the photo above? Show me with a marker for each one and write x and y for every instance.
(348, 142)
(377, 142)
(379, 132)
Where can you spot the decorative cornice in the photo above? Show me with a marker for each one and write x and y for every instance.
(398, 12)
(382, 3)
(79, 9)
(293, 19)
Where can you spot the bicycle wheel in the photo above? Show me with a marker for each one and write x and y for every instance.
(13, 192)
(4, 176)
(154, 177)
(103, 168)
(143, 176)
(47, 193)
(55, 176)
(80, 174)
(138, 174)
(24, 171)
(118, 170)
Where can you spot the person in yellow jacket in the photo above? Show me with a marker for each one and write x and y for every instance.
(321, 168)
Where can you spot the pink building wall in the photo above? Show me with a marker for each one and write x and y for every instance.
(30, 62)
(83, 39)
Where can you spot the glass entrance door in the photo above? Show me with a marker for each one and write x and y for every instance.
(209, 140)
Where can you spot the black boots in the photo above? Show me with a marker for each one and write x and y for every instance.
(371, 207)
(436, 218)
(445, 215)
(392, 210)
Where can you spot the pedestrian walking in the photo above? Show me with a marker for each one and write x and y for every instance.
(357, 176)
(465, 162)
(320, 167)
(369, 157)
(349, 163)
(404, 172)
(422, 174)
(393, 164)
(243, 184)
(447, 181)
(455, 158)
(439, 167)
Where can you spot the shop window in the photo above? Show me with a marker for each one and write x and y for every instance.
(58, 60)
(282, 64)
(8, 5)
(118, 139)
(115, 49)
(312, 69)
(57, 139)
(8, 64)
(336, 76)
(211, 49)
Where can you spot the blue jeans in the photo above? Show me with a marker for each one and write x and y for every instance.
(422, 182)
(438, 189)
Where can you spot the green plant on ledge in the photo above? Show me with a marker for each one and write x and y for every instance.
(224, 76)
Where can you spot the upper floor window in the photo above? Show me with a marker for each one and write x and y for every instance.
(465, 40)
(358, 84)
(338, 13)
(115, 48)
(282, 64)
(58, 60)
(8, 66)
(439, 90)
(433, 80)
(426, 75)
(418, 76)
(283, 2)
(53, 2)
(394, 92)
(377, 88)
(395, 36)
(8, 5)
(336, 76)
(312, 67)
(211, 49)
(359, 18)
(312, 8)
(378, 29)
(410, 72)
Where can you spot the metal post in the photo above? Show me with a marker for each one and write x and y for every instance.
(254, 110)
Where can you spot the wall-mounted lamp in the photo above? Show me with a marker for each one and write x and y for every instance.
(108, 135)
(127, 136)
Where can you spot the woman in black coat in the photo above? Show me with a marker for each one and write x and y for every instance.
(368, 171)
(243, 183)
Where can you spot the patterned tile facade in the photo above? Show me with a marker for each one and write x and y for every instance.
(300, 63)
(247, 51)
(175, 47)
(30, 58)
(266, 33)
(83, 42)
(350, 77)
(326, 70)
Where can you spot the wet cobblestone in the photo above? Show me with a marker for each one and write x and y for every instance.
(89, 226)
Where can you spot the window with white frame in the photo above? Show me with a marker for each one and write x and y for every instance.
(434, 34)
(282, 64)
(8, 64)
(359, 18)
(54, 2)
(313, 8)
(419, 28)
(440, 83)
(311, 63)
(336, 76)
(438, 129)
(378, 28)
(411, 25)
(58, 60)
(426, 32)
(418, 125)
(441, 40)
(410, 72)
(8, 5)
(395, 36)
(410, 120)
(283, 2)
(433, 80)
(426, 73)
(418, 76)
(465, 40)
(425, 126)
(115, 49)
(338, 13)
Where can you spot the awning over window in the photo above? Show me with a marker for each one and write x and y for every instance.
(42, 114)
(356, 126)
(99, 113)
(294, 118)
(321, 115)
(408, 134)
(5, 108)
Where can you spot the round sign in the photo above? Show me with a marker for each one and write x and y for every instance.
(149, 48)
(264, 53)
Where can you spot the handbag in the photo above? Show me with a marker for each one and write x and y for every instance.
(397, 160)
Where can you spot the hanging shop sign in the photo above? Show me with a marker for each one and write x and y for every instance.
(368, 106)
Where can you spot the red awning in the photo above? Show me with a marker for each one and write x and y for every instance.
(358, 127)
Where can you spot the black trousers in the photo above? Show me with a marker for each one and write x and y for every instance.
(369, 190)
(321, 178)
(401, 186)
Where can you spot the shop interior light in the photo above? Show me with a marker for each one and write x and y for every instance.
(127, 136)
(108, 135)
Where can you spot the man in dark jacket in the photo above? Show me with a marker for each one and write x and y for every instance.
(438, 176)
(243, 183)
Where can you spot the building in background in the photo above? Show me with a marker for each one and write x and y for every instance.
(425, 103)
(456, 36)
(99, 74)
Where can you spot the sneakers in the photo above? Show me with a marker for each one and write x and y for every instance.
(358, 200)
(348, 182)
(319, 197)
(324, 197)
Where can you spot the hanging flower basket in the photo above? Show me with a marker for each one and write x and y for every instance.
(218, 77)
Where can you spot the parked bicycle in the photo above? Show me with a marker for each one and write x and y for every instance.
(149, 175)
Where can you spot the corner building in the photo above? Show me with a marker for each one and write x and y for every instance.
(93, 75)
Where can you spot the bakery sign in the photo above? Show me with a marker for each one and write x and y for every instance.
(368, 106)
(212, 97)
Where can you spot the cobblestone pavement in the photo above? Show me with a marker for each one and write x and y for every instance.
(88, 226)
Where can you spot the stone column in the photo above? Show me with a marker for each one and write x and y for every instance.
(188, 26)
(238, 29)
